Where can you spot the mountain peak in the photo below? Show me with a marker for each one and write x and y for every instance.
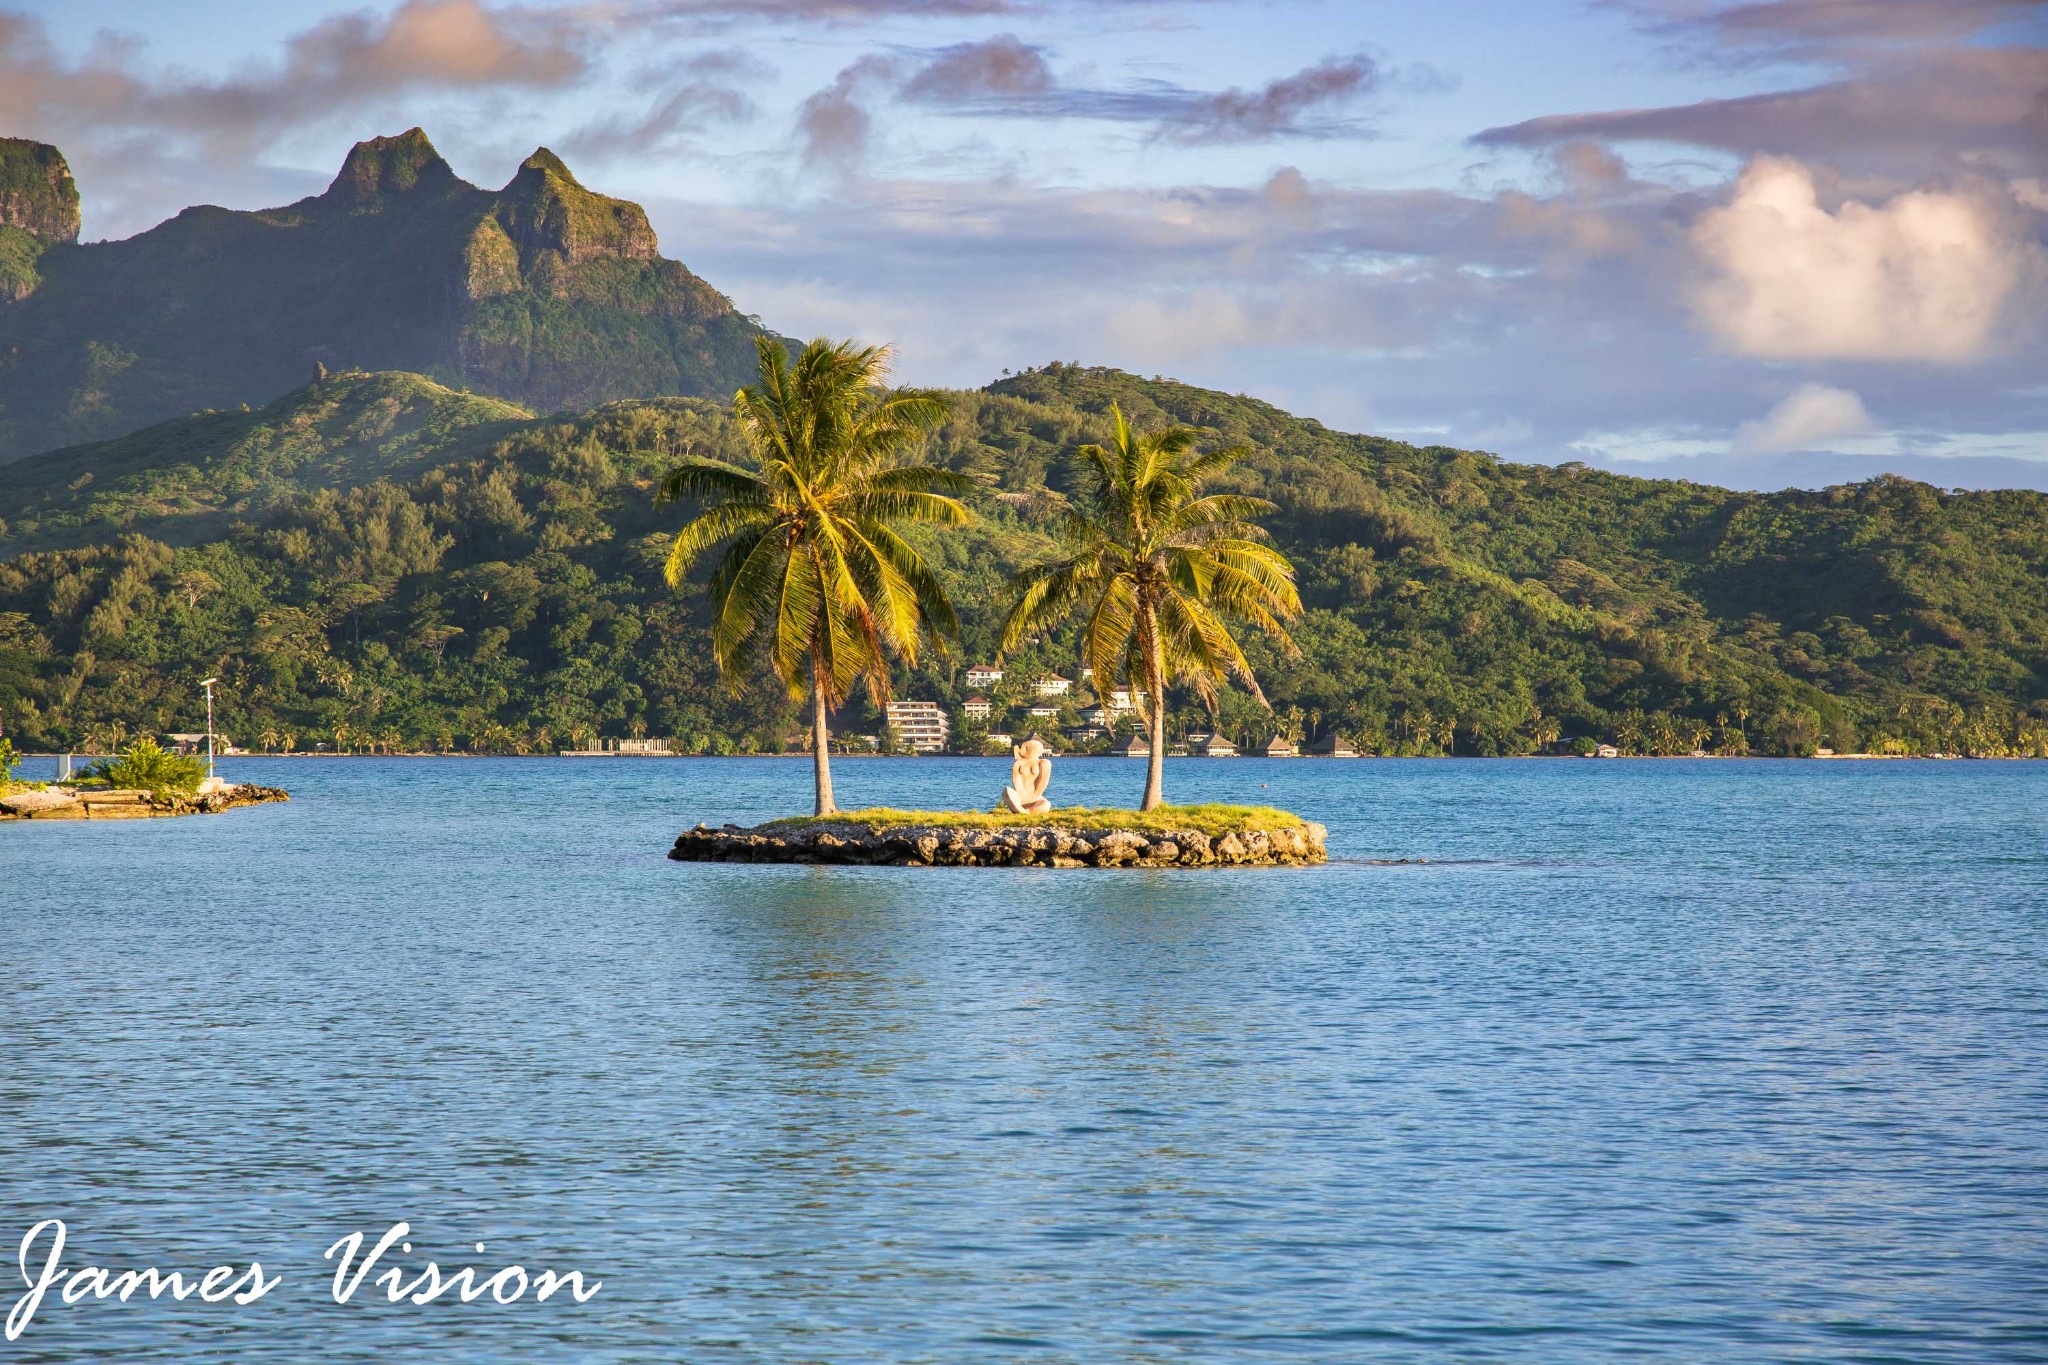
(391, 165)
(37, 193)
(543, 292)
(546, 210)
(547, 164)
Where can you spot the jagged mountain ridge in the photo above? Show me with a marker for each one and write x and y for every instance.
(543, 293)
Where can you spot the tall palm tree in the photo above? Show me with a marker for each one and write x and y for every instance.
(813, 571)
(1157, 565)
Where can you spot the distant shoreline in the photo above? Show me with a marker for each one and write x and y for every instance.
(1315, 759)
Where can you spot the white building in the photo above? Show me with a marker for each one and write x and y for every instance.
(1044, 712)
(920, 724)
(1053, 685)
(984, 675)
(1123, 700)
(977, 707)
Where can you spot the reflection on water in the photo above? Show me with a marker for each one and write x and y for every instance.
(1696, 1061)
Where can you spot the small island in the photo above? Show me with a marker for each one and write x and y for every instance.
(144, 781)
(1166, 836)
(1156, 563)
(85, 802)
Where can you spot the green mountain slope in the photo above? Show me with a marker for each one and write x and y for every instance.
(543, 293)
(185, 479)
(377, 560)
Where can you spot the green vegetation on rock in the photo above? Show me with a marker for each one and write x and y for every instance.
(37, 194)
(1212, 819)
(497, 585)
(145, 766)
(19, 252)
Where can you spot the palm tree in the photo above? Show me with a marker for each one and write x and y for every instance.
(813, 571)
(1157, 564)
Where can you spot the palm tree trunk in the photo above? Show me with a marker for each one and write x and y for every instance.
(821, 752)
(1155, 684)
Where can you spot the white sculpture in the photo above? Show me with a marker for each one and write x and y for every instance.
(1030, 774)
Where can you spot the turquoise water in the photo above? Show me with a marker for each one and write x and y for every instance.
(1660, 1061)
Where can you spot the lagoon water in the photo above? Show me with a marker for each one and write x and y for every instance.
(1688, 1061)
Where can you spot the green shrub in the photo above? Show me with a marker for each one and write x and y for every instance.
(146, 767)
(8, 758)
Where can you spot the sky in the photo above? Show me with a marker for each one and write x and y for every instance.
(1760, 243)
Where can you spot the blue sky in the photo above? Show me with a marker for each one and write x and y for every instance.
(1763, 243)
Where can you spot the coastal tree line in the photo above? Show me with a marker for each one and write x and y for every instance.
(507, 594)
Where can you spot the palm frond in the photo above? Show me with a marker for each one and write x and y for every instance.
(1216, 509)
(904, 505)
(1046, 594)
(749, 593)
(721, 522)
(701, 477)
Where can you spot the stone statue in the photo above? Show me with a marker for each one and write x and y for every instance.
(1030, 774)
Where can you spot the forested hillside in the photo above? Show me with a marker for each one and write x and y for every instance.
(379, 561)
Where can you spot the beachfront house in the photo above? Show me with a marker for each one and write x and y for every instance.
(1331, 745)
(923, 725)
(1279, 746)
(1136, 746)
(1211, 746)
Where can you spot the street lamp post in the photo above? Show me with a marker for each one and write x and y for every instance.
(208, 685)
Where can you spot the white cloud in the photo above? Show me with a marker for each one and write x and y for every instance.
(1928, 275)
(1810, 415)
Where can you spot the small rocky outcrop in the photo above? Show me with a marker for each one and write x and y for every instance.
(938, 845)
(101, 803)
(37, 193)
(38, 210)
